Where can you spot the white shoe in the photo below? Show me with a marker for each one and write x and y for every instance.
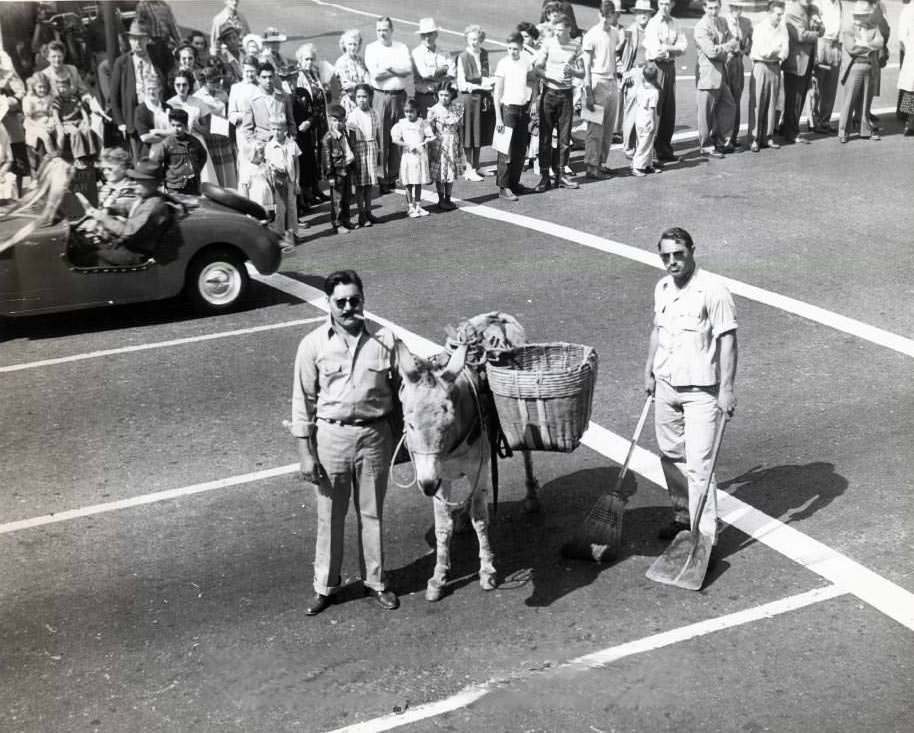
(411, 212)
(420, 211)
(472, 175)
(568, 171)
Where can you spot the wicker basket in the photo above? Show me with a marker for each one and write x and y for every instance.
(544, 394)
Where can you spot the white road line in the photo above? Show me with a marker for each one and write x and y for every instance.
(889, 598)
(862, 330)
(156, 345)
(600, 658)
(113, 506)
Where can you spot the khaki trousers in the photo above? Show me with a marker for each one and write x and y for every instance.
(685, 421)
(599, 137)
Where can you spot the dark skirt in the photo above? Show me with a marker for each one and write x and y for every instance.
(906, 105)
(478, 119)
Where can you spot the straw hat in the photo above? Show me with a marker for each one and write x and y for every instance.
(862, 8)
(137, 30)
(273, 35)
(643, 6)
(427, 25)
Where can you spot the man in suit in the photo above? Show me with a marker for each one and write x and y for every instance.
(803, 33)
(741, 31)
(128, 80)
(716, 108)
(633, 59)
(268, 103)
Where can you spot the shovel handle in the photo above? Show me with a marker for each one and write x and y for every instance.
(718, 439)
(631, 448)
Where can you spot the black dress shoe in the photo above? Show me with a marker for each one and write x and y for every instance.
(520, 189)
(668, 158)
(386, 599)
(544, 185)
(318, 603)
(671, 530)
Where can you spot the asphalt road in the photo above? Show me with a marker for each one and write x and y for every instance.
(186, 613)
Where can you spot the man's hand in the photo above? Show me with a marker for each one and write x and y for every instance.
(726, 400)
(122, 129)
(304, 126)
(499, 127)
(588, 98)
(650, 384)
(311, 470)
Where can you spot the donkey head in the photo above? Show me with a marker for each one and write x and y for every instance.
(435, 411)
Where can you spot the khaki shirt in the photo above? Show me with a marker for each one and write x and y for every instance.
(690, 321)
(333, 383)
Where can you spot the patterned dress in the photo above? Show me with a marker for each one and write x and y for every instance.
(220, 148)
(365, 134)
(446, 162)
(350, 71)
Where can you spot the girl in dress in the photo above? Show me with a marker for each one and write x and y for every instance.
(365, 131)
(475, 87)
(254, 182)
(72, 121)
(446, 151)
(412, 133)
(39, 120)
(646, 98)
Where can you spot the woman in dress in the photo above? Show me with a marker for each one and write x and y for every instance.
(197, 119)
(309, 109)
(350, 67)
(475, 87)
(151, 117)
(239, 102)
(446, 151)
(57, 70)
(220, 148)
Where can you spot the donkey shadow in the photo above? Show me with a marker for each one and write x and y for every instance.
(527, 547)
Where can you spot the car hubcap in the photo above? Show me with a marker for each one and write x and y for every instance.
(219, 283)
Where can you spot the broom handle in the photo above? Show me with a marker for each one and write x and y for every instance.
(631, 448)
(718, 439)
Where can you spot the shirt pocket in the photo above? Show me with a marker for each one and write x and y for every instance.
(330, 369)
(692, 319)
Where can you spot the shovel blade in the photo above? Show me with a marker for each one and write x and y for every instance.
(684, 563)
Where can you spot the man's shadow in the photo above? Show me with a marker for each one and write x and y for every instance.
(527, 547)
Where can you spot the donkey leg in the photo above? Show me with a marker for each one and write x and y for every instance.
(479, 515)
(531, 501)
(444, 529)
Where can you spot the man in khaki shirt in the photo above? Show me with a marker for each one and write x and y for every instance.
(690, 370)
(342, 398)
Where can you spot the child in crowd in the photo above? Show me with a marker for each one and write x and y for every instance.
(281, 154)
(338, 161)
(72, 123)
(365, 130)
(183, 156)
(38, 123)
(446, 151)
(413, 134)
(254, 182)
(647, 96)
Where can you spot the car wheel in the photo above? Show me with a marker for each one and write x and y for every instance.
(217, 280)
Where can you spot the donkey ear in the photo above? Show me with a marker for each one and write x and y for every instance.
(455, 364)
(406, 362)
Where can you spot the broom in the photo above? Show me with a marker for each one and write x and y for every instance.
(600, 535)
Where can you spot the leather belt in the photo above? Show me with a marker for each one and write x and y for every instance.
(390, 91)
(356, 423)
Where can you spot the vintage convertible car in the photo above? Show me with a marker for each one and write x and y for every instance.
(202, 253)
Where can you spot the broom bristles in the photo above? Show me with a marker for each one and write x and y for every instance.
(600, 536)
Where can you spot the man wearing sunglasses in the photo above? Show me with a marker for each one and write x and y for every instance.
(690, 370)
(342, 399)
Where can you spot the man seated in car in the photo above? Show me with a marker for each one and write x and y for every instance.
(116, 196)
(133, 240)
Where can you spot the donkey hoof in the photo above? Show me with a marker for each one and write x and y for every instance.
(531, 506)
(487, 582)
(433, 593)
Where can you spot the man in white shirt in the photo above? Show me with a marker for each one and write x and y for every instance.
(431, 66)
(514, 77)
(389, 64)
(599, 50)
(828, 64)
(770, 46)
(663, 44)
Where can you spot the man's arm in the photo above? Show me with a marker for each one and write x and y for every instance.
(497, 94)
(729, 352)
(114, 100)
(304, 401)
(649, 380)
(704, 40)
(678, 47)
(403, 65)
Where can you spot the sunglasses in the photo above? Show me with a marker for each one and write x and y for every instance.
(354, 301)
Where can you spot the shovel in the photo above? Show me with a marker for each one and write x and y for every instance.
(685, 561)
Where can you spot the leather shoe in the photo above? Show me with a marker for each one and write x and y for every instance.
(671, 530)
(565, 182)
(386, 599)
(318, 603)
(544, 185)
(507, 193)
(520, 189)
(668, 158)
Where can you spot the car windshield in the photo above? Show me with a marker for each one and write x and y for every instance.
(47, 204)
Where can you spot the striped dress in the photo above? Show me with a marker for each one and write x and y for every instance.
(365, 135)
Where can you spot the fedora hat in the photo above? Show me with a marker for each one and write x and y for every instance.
(427, 25)
(137, 30)
(145, 170)
(643, 6)
(861, 7)
(273, 34)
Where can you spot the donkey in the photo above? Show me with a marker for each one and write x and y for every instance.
(446, 428)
